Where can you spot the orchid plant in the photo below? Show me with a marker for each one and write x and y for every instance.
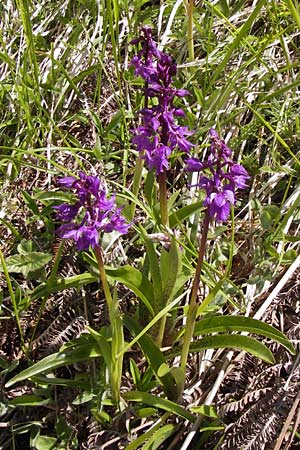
(162, 282)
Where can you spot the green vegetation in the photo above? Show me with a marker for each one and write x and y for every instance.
(131, 343)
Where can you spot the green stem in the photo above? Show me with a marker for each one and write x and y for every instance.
(193, 306)
(163, 198)
(161, 331)
(117, 338)
(108, 297)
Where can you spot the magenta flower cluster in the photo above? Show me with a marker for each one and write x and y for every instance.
(159, 133)
(91, 213)
(221, 179)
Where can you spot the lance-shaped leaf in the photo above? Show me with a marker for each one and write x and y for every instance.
(221, 324)
(234, 341)
(136, 281)
(155, 357)
(81, 352)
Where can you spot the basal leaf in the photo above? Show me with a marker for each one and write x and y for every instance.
(159, 402)
(29, 400)
(135, 281)
(155, 357)
(160, 436)
(221, 324)
(51, 362)
(57, 285)
(170, 268)
(154, 270)
(182, 213)
(235, 341)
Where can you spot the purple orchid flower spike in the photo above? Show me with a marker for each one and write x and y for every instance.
(159, 133)
(91, 214)
(225, 178)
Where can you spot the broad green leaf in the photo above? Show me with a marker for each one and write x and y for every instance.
(159, 402)
(135, 281)
(57, 285)
(25, 246)
(28, 262)
(154, 270)
(45, 443)
(29, 400)
(51, 362)
(103, 345)
(289, 256)
(205, 410)
(155, 357)
(140, 440)
(234, 341)
(170, 268)
(221, 324)
(266, 219)
(182, 213)
(160, 436)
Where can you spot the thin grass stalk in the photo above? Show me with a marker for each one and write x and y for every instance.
(189, 6)
(23, 7)
(193, 306)
(13, 298)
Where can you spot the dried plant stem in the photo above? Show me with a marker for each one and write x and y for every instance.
(193, 306)
(163, 198)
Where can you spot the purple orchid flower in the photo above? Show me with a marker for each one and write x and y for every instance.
(225, 177)
(94, 211)
(159, 133)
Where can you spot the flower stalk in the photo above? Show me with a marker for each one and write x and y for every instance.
(221, 178)
(193, 304)
(93, 212)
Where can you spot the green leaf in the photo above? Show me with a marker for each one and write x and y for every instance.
(45, 443)
(159, 402)
(57, 285)
(235, 341)
(289, 256)
(221, 324)
(178, 216)
(266, 219)
(160, 436)
(26, 263)
(155, 357)
(170, 268)
(135, 281)
(31, 203)
(81, 352)
(205, 410)
(25, 247)
(154, 270)
(29, 400)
